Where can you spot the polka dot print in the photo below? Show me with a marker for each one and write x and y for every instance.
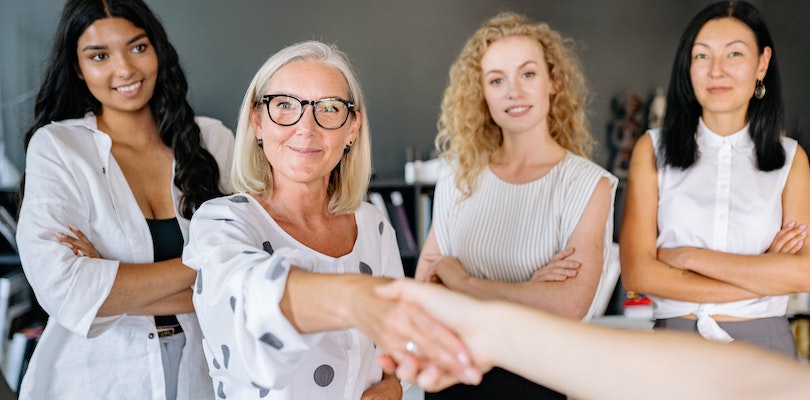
(276, 269)
(324, 375)
(226, 355)
(365, 269)
(221, 391)
(263, 392)
(198, 284)
(272, 340)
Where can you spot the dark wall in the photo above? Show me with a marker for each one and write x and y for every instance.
(402, 51)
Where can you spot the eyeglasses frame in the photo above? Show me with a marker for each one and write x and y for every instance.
(265, 99)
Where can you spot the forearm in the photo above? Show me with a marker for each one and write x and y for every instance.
(767, 274)
(571, 351)
(138, 285)
(319, 302)
(569, 299)
(650, 276)
(178, 303)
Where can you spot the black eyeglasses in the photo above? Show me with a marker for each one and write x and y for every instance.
(286, 110)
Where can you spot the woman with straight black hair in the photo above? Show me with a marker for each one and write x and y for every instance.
(116, 164)
(717, 199)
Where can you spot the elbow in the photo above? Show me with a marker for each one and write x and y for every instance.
(577, 315)
(637, 275)
(797, 282)
(576, 310)
(802, 285)
(631, 282)
(638, 283)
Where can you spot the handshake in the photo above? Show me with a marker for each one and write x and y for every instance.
(460, 337)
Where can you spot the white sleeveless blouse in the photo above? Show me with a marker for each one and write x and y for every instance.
(507, 231)
(723, 203)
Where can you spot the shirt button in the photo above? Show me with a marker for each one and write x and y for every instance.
(151, 335)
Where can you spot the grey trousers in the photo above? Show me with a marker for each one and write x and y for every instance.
(171, 350)
(770, 333)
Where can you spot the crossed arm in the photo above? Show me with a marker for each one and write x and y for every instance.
(572, 274)
(160, 288)
(707, 276)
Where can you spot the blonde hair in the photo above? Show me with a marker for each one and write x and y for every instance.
(467, 134)
(349, 180)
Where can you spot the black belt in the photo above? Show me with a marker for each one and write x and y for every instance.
(168, 330)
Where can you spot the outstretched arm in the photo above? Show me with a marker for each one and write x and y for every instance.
(573, 353)
(315, 302)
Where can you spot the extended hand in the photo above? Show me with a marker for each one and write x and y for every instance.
(452, 309)
(405, 331)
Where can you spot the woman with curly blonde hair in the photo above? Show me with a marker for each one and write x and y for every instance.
(522, 215)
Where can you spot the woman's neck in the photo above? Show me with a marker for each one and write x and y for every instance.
(524, 158)
(724, 124)
(527, 149)
(130, 128)
(296, 201)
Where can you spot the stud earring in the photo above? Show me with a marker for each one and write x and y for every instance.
(260, 143)
(347, 149)
(759, 91)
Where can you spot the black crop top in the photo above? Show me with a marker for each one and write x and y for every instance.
(167, 239)
(167, 243)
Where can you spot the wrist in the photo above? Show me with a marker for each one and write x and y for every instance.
(491, 343)
(345, 299)
(687, 258)
(355, 294)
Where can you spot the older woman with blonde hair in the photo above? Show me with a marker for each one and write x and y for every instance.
(287, 267)
(522, 215)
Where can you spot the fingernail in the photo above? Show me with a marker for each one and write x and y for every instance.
(60, 235)
(80, 253)
(803, 226)
(791, 223)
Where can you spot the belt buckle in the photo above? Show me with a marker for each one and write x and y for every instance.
(165, 332)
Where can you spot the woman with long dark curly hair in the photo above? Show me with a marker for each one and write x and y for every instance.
(116, 164)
